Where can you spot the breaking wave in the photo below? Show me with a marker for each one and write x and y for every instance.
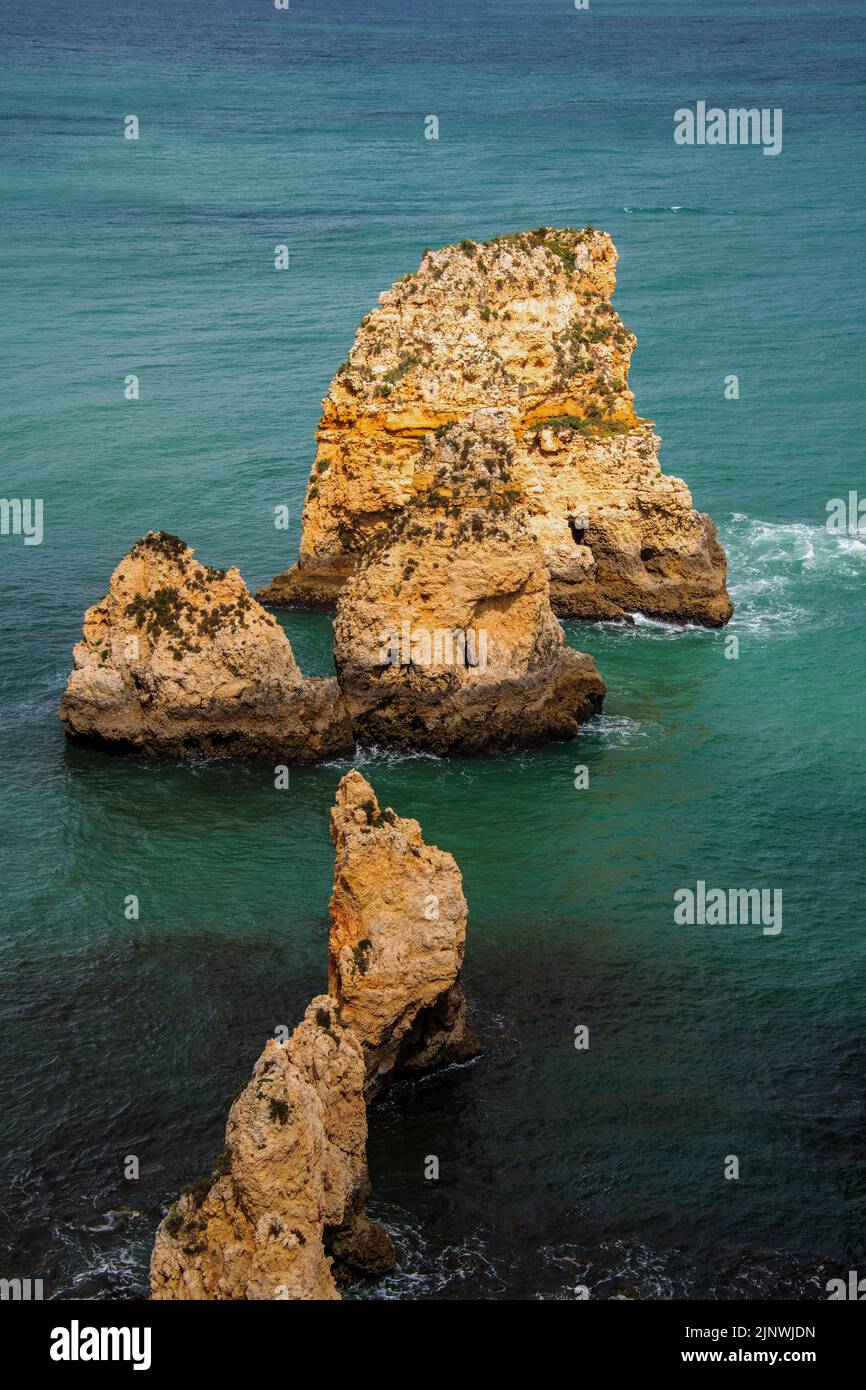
(776, 568)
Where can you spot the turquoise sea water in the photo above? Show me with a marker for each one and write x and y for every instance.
(258, 127)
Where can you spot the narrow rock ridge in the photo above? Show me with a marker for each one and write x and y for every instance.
(522, 323)
(179, 660)
(444, 635)
(283, 1217)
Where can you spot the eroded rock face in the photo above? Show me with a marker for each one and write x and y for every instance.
(178, 659)
(522, 323)
(445, 638)
(398, 930)
(290, 1185)
(283, 1215)
(619, 536)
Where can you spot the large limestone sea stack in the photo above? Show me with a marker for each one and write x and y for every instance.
(283, 1216)
(523, 324)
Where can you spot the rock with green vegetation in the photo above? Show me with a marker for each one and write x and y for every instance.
(445, 639)
(522, 323)
(179, 660)
(282, 1216)
(398, 930)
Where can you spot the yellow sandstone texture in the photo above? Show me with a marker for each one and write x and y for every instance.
(294, 1163)
(523, 324)
(283, 1215)
(444, 634)
(398, 929)
(178, 659)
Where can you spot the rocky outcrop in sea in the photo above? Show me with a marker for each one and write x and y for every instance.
(282, 1216)
(523, 324)
(178, 660)
(480, 468)
(444, 634)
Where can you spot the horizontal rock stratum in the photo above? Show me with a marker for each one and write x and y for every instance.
(283, 1217)
(522, 323)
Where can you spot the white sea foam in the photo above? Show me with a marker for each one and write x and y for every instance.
(670, 207)
(796, 543)
(775, 567)
(423, 1270)
(616, 1269)
(665, 629)
(362, 757)
(618, 731)
(774, 570)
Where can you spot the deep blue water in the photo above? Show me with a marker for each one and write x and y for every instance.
(156, 258)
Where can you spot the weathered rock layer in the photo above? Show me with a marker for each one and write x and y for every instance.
(398, 929)
(283, 1215)
(444, 635)
(522, 323)
(294, 1168)
(178, 659)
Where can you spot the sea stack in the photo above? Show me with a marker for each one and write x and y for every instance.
(445, 638)
(179, 660)
(398, 929)
(524, 324)
(294, 1167)
(282, 1216)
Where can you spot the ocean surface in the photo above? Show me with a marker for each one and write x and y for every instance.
(559, 1168)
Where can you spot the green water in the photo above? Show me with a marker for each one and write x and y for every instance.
(558, 1167)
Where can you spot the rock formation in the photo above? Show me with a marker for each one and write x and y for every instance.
(445, 638)
(283, 1215)
(398, 927)
(177, 659)
(522, 323)
(293, 1176)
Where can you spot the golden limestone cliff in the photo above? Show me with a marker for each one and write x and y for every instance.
(523, 324)
(178, 659)
(283, 1217)
(444, 634)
